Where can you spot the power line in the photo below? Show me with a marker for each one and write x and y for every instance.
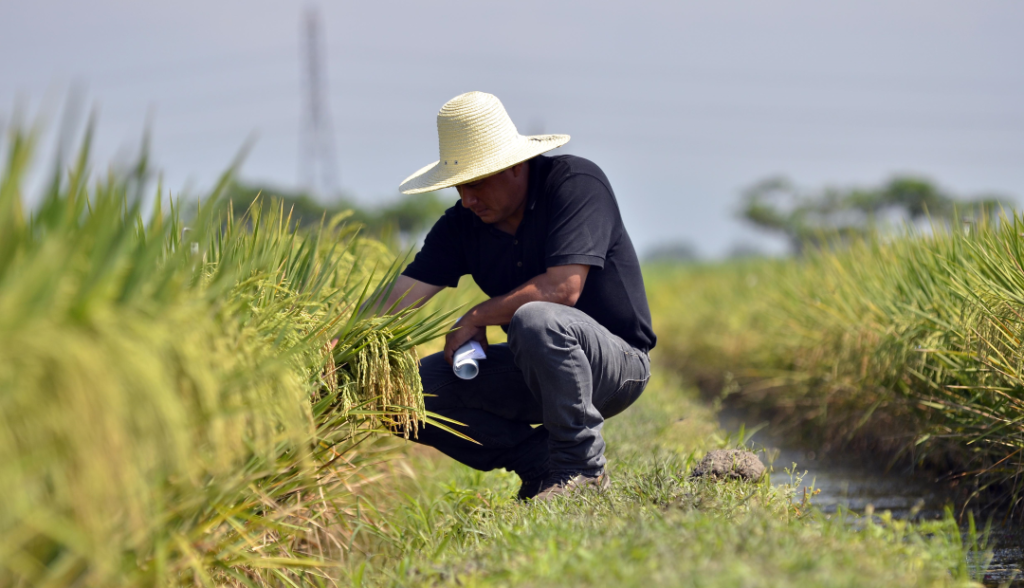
(316, 155)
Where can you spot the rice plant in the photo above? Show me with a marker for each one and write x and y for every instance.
(187, 401)
(909, 344)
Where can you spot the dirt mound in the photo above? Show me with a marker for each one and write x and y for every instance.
(729, 463)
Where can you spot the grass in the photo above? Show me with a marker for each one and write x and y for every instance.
(907, 345)
(454, 526)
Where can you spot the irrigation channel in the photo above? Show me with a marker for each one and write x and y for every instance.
(859, 486)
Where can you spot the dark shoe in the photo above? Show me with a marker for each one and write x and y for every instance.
(568, 483)
(529, 488)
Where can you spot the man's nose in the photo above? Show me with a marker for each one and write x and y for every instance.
(468, 198)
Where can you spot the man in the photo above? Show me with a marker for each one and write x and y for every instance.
(543, 237)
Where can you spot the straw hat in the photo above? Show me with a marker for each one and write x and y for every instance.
(476, 139)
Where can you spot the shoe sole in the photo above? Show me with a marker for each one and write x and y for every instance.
(601, 485)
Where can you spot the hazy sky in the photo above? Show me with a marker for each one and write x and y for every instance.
(682, 103)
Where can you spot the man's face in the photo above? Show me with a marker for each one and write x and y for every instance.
(496, 198)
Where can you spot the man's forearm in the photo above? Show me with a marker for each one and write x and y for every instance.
(562, 286)
(499, 310)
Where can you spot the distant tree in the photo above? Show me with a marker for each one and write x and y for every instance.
(776, 205)
(676, 251)
(409, 217)
(412, 215)
(305, 209)
(744, 250)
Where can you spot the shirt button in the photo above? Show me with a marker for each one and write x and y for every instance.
(519, 264)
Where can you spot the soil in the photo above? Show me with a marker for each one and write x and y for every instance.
(729, 463)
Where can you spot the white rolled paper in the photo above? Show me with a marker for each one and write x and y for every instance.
(464, 362)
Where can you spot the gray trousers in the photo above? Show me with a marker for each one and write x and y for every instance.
(561, 370)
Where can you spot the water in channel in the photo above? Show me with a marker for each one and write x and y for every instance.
(856, 486)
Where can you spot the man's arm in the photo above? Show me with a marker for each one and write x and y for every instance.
(560, 284)
(416, 293)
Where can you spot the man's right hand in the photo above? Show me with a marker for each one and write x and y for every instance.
(462, 333)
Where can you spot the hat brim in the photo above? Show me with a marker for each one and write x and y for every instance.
(438, 175)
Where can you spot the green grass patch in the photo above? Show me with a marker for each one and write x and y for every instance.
(458, 527)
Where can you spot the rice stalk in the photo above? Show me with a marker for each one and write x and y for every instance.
(171, 410)
(908, 344)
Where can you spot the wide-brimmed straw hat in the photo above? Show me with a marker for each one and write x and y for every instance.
(476, 139)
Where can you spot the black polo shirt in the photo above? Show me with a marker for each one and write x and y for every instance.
(571, 217)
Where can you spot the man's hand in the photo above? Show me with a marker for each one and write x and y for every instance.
(560, 284)
(462, 333)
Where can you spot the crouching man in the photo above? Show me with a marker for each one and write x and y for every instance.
(543, 237)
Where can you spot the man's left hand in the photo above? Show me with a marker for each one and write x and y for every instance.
(462, 333)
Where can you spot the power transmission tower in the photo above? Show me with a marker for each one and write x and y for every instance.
(316, 154)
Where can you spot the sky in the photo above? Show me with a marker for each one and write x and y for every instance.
(683, 104)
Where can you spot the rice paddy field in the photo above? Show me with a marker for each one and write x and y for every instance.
(188, 404)
(904, 349)
(217, 398)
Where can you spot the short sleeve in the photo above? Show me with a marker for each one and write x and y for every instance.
(441, 261)
(582, 218)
